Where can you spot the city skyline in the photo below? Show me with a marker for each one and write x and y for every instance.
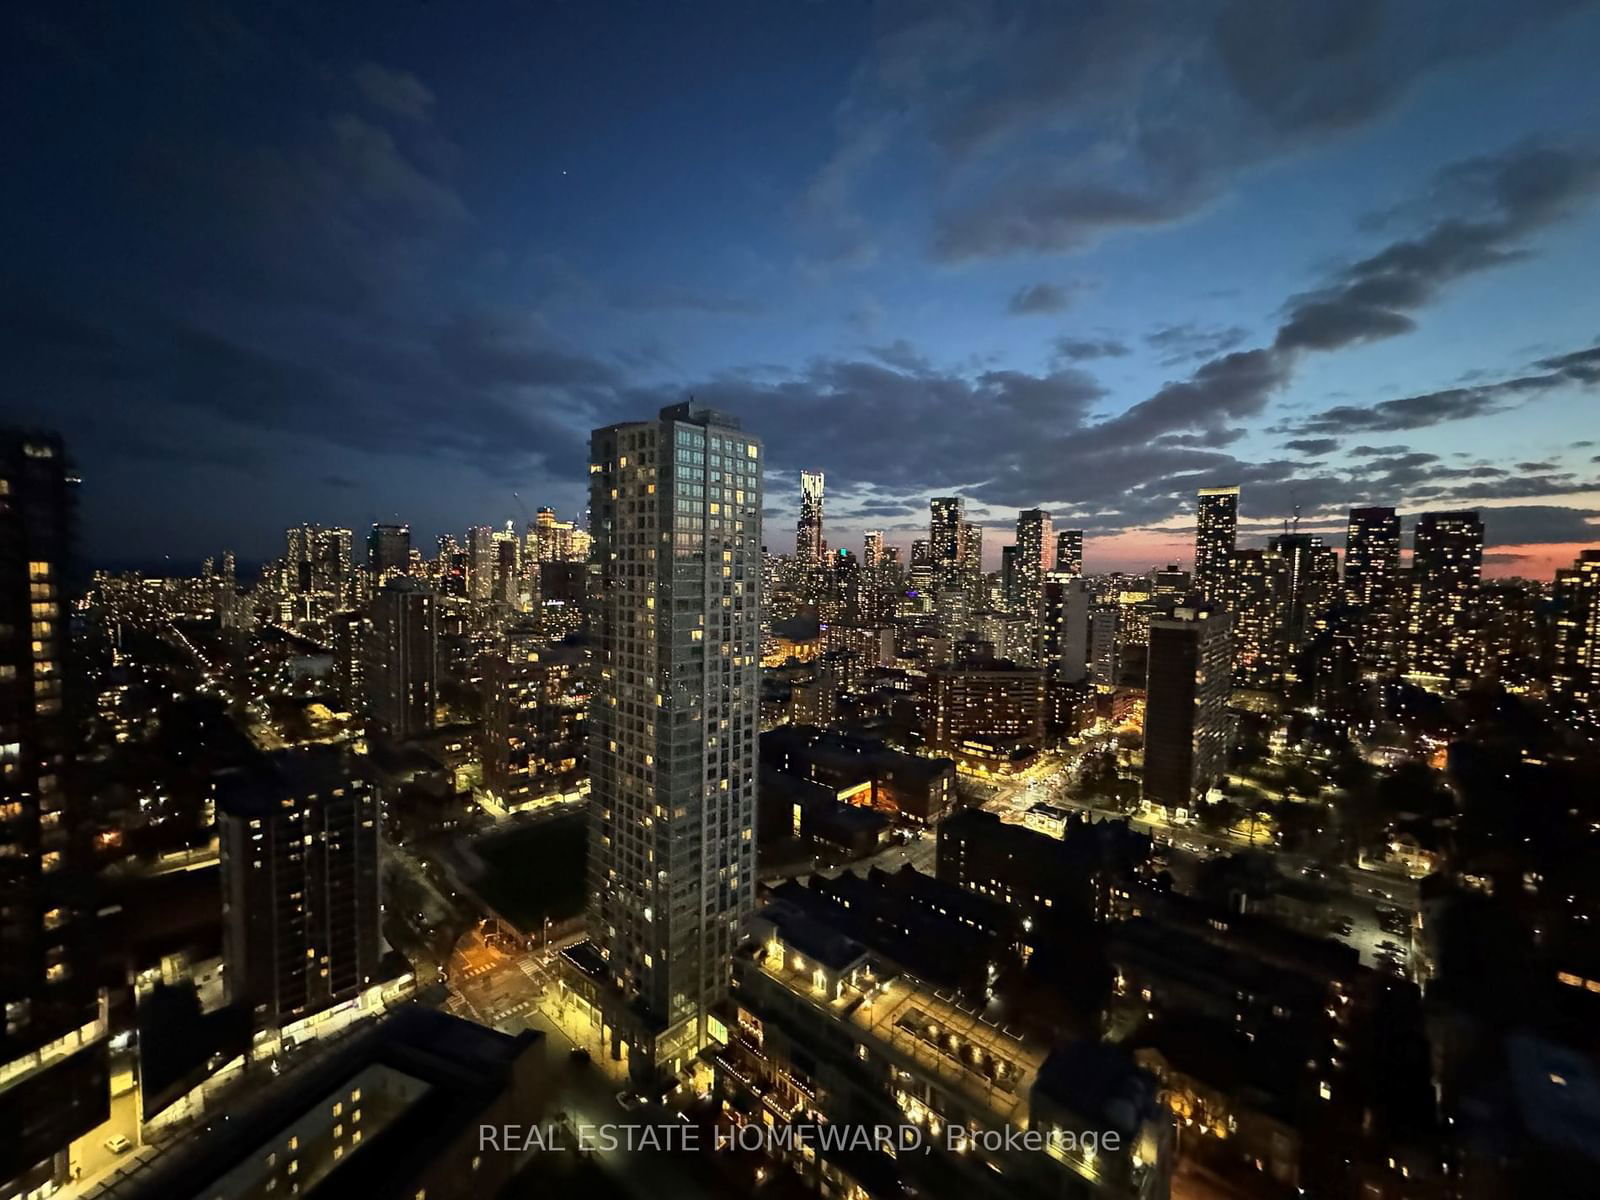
(1346, 293)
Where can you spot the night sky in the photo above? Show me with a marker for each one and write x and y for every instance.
(345, 262)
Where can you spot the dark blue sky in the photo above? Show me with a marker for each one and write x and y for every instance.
(276, 262)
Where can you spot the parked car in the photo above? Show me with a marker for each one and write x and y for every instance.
(118, 1144)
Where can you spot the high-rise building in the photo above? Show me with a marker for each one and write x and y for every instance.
(1216, 529)
(1372, 583)
(1069, 552)
(946, 517)
(1067, 601)
(507, 587)
(676, 515)
(1446, 569)
(299, 839)
(808, 533)
(318, 561)
(971, 559)
(53, 1069)
(481, 562)
(1258, 601)
(1575, 673)
(872, 549)
(401, 666)
(1105, 643)
(389, 550)
(1035, 557)
(534, 746)
(1310, 588)
(1187, 731)
(352, 634)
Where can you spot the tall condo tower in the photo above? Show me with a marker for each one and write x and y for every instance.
(1216, 528)
(676, 515)
(808, 534)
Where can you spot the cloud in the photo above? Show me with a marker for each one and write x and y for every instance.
(1451, 404)
(1175, 344)
(1534, 524)
(1072, 349)
(397, 92)
(1052, 126)
(1040, 298)
(1311, 446)
(1498, 201)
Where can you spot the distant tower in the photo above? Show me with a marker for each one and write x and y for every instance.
(1069, 552)
(389, 550)
(808, 549)
(1446, 569)
(946, 517)
(1035, 557)
(872, 549)
(401, 669)
(1216, 529)
(1372, 583)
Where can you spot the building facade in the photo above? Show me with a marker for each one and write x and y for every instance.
(1186, 724)
(1446, 570)
(1216, 529)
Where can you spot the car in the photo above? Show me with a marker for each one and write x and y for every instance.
(118, 1144)
(1343, 927)
(628, 1102)
(578, 1054)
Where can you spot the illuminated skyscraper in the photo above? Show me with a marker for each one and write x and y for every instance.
(1310, 588)
(1216, 529)
(299, 842)
(872, 549)
(1575, 678)
(947, 515)
(53, 1072)
(1258, 600)
(1186, 725)
(808, 541)
(1446, 568)
(676, 511)
(1035, 557)
(319, 566)
(971, 559)
(1372, 583)
(400, 672)
(481, 562)
(1069, 552)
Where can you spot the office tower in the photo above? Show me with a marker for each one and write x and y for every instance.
(533, 745)
(352, 634)
(1258, 593)
(299, 839)
(1067, 601)
(389, 550)
(401, 666)
(53, 1073)
(1575, 672)
(1035, 557)
(1446, 568)
(319, 564)
(675, 505)
(1372, 583)
(1186, 726)
(1216, 527)
(808, 533)
(1310, 587)
(1008, 575)
(1069, 552)
(481, 561)
(872, 549)
(946, 516)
